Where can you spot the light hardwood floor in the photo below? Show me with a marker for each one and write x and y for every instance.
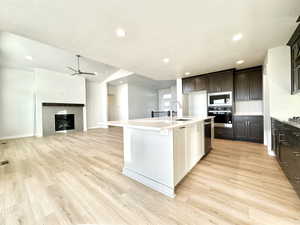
(76, 179)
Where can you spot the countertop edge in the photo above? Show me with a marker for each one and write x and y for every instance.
(293, 124)
(156, 128)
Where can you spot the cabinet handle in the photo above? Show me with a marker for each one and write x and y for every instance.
(284, 142)
(279, 137)
(182, 127)
(297, 180)
(296, 134)
(297, 154)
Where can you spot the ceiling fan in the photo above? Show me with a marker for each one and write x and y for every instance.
(78, 71)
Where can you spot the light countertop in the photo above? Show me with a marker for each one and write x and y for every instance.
(247, 114)
(291, 123)
(157, 123)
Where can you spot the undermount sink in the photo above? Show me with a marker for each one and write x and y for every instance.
(183, 119)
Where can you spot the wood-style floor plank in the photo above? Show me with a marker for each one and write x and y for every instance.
(76, 178)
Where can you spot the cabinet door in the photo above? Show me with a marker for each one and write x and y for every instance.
(241, 128)
(285, 159)
(194, 150)
(255, 84)
(223, 132)
(297, 171)
(241, 86)
(221, 81)
(214, 83)
(201, 83)
(295, 60)
(188, 85)
(179, 140)
(255, 129)
(226, 81)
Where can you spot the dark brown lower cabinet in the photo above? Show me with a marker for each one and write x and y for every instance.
(248, 128)
(223, 133)
(286, 146)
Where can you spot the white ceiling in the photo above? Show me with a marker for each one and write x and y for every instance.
(142, 81)
(196, 35)
(14, 50)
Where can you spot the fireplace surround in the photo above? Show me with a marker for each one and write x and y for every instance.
(61, 117)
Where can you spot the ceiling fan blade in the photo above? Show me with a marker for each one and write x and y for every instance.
(86, 73)
(70, 68)
(78, 72)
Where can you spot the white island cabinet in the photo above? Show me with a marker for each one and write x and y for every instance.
(160, 153)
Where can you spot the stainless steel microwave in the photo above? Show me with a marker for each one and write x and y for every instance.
(220, 99)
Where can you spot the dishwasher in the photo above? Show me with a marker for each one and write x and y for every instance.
(207, 129)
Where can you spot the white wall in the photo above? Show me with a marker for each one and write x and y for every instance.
(141, 101)
(118, 102)
(16, 103)
(282, 104)
(277, 84)
(57, 88)
(98, 92)
(249, 107)
(94, 105)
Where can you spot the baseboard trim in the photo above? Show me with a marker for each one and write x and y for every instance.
(17, 136)
(97, 127)
(170, 192)
(271, 153)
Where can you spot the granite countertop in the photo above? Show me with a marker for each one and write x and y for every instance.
(294, 124)
(157, 123)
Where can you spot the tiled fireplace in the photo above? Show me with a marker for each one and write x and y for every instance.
(62, 117)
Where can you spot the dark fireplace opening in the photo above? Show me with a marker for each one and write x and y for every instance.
(64, 122)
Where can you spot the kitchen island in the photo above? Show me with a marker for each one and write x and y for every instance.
(159, 152)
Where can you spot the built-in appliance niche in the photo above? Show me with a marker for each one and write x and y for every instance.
(64, 122)
(58, 117)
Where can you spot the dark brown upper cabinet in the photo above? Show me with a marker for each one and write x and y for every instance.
(188, 85)
(248, 84)
(213, 82)
(201, 83)
(197, 83)
(294, 43)
(221, 81)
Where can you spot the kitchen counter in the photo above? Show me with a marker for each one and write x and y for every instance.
(247, 114)
(159, 152)
(294, 124)
(158, 123)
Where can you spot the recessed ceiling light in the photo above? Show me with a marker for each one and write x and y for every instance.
(237, 37)
(166, 60)
(28, 57)
(120, 32)
(187, 73)
(240, 62)
(121, 82)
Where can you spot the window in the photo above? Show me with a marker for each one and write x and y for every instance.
(167, 103)
(167, 96)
